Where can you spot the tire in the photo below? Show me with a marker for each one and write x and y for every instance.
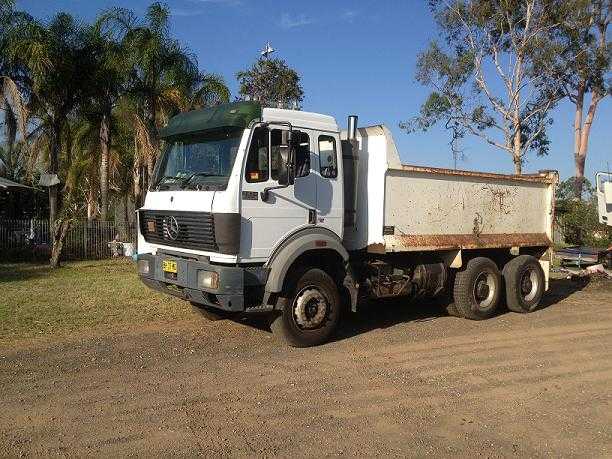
(477, 289)
(208, 313)
(608, 260)
(451, 310)
(312, 312)
(524, 281)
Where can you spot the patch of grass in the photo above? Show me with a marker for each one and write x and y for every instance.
(36, 300)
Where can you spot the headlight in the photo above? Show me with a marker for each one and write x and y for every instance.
(208, 279)
(143, 266)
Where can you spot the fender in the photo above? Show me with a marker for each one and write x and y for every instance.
(295, 245)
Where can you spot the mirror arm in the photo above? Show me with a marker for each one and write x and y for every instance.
(265, 194)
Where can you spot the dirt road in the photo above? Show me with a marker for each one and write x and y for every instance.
(400, 380)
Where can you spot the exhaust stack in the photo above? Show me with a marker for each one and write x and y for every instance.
(350, 162)
(352, 127)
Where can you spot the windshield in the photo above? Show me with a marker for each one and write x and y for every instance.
(201, 161)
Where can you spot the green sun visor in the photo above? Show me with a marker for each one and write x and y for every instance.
(236, 114)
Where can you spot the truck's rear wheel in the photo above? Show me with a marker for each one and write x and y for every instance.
(477, 289)
(312, 312)
(524, 280)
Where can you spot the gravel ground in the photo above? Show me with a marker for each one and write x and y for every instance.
(401, 380)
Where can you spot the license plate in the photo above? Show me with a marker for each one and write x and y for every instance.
(169, 266)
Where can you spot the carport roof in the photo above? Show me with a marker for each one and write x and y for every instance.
(6, 183)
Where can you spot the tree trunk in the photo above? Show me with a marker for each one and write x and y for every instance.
(154, 138)
(91, 204)
(518, 165)
(59, 236)
(54, 154)
(126, 218)
(105, 149)
(137, 185)
(150, 168)
(583, 145)
(517, 157)
(578, 161)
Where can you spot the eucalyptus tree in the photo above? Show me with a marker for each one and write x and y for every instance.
(482, 73)
(584, 68)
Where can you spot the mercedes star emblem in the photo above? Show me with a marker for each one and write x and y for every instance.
(171, 228)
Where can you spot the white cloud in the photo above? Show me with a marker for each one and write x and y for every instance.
(349, 15)
(289, 22)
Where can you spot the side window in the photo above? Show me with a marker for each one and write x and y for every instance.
(328, 157)
(301, 143)
(257, 161)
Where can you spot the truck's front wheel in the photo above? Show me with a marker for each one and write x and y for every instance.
(312, 312)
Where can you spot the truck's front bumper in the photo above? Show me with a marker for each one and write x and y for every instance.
(233, 281)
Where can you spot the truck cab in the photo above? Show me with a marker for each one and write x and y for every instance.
(235, 187)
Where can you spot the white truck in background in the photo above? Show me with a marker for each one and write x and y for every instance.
(603, 188)
(257, 210)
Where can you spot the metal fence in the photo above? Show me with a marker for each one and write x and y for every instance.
(86, 240)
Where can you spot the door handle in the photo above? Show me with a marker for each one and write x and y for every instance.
(312, 216)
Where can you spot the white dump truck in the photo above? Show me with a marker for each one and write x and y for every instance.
(269, 210)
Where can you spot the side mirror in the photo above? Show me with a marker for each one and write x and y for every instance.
(286, 171)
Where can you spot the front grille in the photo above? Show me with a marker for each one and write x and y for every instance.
(188, 230)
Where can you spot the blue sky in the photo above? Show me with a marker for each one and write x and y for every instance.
(355, 57)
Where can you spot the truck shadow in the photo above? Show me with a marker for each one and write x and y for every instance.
(383, 314)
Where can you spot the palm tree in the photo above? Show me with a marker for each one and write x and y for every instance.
(164, 79)
(13, 78)
(108, 85)
(58, 64)
(13, 162)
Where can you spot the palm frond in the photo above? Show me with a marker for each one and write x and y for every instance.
(145, 149)
(12, 97)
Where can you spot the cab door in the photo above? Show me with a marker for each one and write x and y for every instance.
(266, 223)
(330, 195)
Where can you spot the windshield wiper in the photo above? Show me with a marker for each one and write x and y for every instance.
(196, 174)
(163, 179)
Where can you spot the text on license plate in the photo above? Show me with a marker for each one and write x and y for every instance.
(169, 266)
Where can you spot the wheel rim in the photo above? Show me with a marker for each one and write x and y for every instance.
(529, 284)
(484, 290)
(310, 308)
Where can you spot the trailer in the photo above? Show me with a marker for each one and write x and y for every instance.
(261, 210)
